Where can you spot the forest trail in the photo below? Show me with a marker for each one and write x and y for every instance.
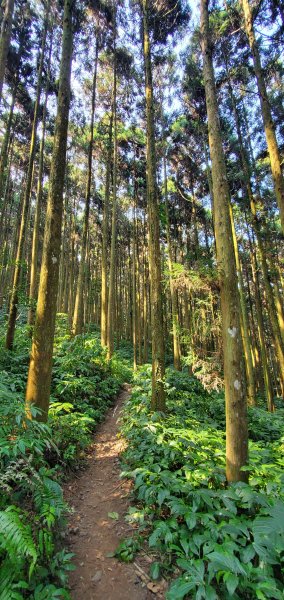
(92, 534)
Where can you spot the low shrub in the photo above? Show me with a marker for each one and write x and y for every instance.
(214, 541)
(34, 457)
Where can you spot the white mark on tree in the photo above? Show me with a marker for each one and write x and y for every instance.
(232, 331)
(237, 384)
(54, 260)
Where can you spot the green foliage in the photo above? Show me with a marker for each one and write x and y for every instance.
(34, 456)
(127, 549)
(220, 542)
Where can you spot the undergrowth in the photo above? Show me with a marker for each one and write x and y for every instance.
(213, 541)
(34, 457)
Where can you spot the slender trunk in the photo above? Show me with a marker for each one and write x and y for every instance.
(105, 231)
(235, 397)
(273, 150)
(38, 209)
(134, 286)
(5, 151)
(39, 376)
(173, 292)
(111, 291)
(78, 311)
(5, 36)
(158, 350)
(17, 274)
(279, 346)
(261, 336)
(244, 322)
(6, 191)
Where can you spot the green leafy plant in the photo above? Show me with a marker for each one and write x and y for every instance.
(224, 542)
(34, 456)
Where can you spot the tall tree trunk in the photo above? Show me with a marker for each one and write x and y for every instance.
(112, 271)
(17, 274)
(105, 232)
(134, 285)
(38, 209)
(6, 189)
(39, 376)
(158, 350)
(78, 311)
(273, 150)
(244, 322)
(173, 292)
(273, 316)
(235, 397)
(5, 152)
(261, 335)
(5, 37)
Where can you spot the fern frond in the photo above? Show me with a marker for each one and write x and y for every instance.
(16, 537)
(8, 573)
(49, 493)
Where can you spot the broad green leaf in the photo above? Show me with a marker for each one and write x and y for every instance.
(113, 515)
(231, 581)
(155, 570)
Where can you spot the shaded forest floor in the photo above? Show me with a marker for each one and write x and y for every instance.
(92, 533)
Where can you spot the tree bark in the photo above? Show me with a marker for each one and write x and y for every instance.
(38, 209)
(78, 320)
(273, 150)
(158, 350)
(112, 271)
(234, 376)
(244, 323)
(105, 232)
(39, 376)
(26, 206)
(5, 37)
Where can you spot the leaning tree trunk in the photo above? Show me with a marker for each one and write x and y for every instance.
(5, 36)
(273, 150)
(156, 295)
(235, 392)
(39, 376)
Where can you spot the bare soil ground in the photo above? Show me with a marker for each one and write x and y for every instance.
(92, 534)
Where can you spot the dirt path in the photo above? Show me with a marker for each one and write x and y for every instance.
(91, 533)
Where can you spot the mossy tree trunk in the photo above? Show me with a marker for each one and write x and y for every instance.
(38, 209)
(156, 301)
(234, 375)
(39, 375)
